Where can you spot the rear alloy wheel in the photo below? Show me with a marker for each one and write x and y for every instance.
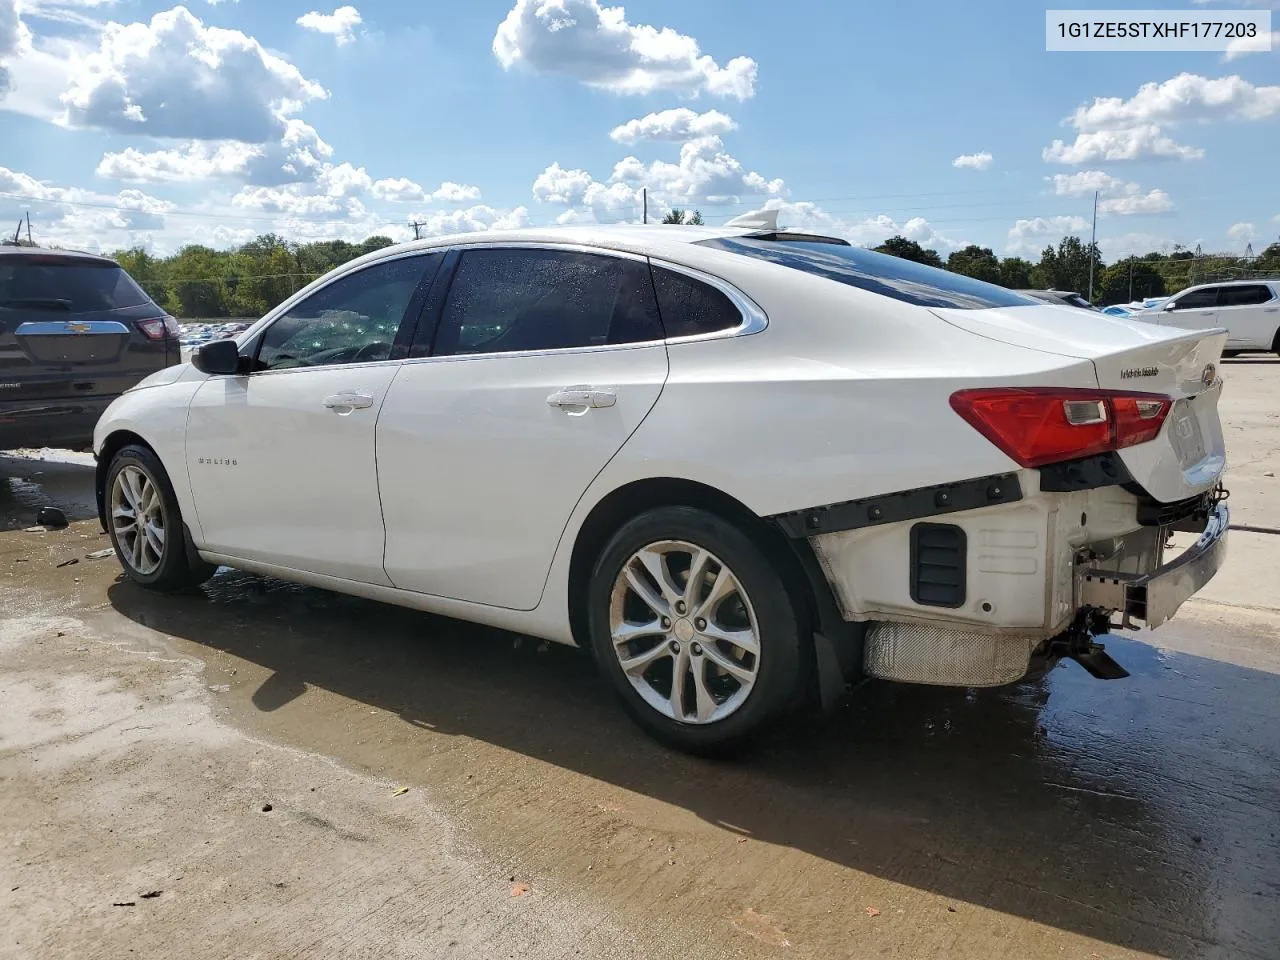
(145, 524)
(694, 628)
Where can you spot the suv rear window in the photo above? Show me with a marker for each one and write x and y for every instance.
(876, 272)
(76, 286)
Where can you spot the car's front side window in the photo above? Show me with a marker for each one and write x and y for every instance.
(1197, 299)
(355, 319)
(505, 300)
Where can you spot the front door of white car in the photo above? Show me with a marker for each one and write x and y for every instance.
(282, 460)
(1194, 310)
(536, 366)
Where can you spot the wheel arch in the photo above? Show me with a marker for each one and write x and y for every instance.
(114, 442)
(795, 560)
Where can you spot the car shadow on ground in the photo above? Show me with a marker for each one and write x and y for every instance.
(27, 484)
(1143, 812)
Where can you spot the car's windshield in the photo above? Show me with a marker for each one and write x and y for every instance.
(77, 286)
(880, 273)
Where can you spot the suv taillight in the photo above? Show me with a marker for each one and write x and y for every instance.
(1039, 425)
(160, 327)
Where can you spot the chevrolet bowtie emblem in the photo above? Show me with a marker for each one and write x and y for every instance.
(73, 327)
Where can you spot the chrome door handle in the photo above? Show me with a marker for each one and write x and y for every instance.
(348, 401)
(582, 397)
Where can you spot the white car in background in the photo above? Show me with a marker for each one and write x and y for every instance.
(1249, 310)
(738, 464)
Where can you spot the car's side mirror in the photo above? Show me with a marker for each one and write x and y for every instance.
(1169, 306)
(217, 357)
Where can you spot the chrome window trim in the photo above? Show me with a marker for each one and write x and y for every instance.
(321, 283)
(754, 319)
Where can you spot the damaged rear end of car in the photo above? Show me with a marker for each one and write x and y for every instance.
(1108, 443)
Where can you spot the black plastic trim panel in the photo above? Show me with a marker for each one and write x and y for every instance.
(939, 555)
(904, 505)
(1088, 473)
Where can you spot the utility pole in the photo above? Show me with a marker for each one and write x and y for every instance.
(417, 229)
(29, 243)
(645, 194)
(17, 232)
(1130, 280)
(1093, 244)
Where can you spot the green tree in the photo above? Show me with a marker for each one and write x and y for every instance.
(909, 250)
(1130, 274)
(1067, 267)
(977, 262)
(677, 215)
(1015, 273)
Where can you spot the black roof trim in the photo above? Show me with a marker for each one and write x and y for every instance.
(781, 236)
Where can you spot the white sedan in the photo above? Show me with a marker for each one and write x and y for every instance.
(742, 466)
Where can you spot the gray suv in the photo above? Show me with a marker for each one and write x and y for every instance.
(75, 333)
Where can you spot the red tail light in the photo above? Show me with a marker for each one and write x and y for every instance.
(159, 328)
(1039, 425)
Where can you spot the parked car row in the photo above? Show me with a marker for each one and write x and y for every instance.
(194, 334)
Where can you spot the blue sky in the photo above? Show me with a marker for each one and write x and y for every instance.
(135, 122)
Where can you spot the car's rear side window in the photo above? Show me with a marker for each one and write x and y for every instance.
(75, 286)
(877, 272)
(516, 299)
(690, 307)
(1244, 295)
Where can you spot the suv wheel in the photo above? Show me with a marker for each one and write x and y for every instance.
(694, 629)
(145, 524)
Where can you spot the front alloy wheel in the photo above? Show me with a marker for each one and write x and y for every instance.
(145, 523)
(138, 520)
(684, 632)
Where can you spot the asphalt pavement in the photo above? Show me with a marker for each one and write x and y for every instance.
(265, 770)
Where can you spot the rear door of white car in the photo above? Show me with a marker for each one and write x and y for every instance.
(281, 459)
(530, 372)
(1251, 314)
(1194, 310)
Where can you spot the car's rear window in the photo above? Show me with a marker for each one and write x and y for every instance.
(76, 286)
(877, 272)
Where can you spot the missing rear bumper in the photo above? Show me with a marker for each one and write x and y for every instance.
(1154, 597)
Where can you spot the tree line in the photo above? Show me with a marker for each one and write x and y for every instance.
(1066, 267)
(249, 280)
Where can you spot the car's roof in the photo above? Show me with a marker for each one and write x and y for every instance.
(9, 250)
(1233, 283)
(643, 239)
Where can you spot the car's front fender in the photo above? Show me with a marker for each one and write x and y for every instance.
(156, 416)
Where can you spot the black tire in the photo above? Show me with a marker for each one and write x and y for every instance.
(781, 633)
(178, 569)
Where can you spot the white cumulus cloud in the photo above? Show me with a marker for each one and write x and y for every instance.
(10, 27)
(679, 125)
(1243, 46)
(404, 190)
(596, 45)
(299, 155)
(1029, 236)
(341, 24)
(1118, 196)
(1115, 128)
(973, 161)
(704, 173)
(1135, 143)
(175, 77)
(1242, 232)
